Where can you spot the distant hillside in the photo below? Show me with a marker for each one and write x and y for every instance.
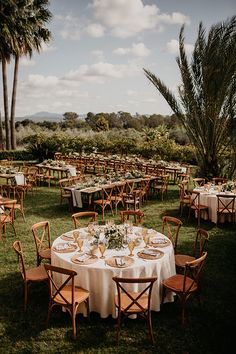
(42, 116)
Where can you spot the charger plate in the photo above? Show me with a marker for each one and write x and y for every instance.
(154, 254)
(65, 247)
(91, 258)
(112, 262)
(159, 242)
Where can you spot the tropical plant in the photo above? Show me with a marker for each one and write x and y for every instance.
(207, 97)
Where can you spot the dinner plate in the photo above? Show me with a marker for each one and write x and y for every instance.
(159, 242)
(150, 253)
(120, 261)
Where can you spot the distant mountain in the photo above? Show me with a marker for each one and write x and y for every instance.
(41, 116)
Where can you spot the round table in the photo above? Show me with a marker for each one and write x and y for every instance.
(97, 277)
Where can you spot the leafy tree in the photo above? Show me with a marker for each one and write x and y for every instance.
(70, 120)
(207, 99)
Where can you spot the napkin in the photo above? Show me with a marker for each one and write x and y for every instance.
(159, 240)
(119, 261)
(83, 258)
(149, 252)
(62, 246)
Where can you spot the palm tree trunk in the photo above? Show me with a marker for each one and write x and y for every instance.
(13, 103)
(1, 134)
(5, 101)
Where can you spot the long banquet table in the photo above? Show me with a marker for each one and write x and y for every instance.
(97, 277)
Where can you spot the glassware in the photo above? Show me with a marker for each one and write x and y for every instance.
(102, 248)
(80, 243)
(76, 235)
(131, 247)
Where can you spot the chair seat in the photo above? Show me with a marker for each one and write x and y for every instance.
(181, 259)
(199, 207)
(125, 302)
(226, 211)
(80, 295)
(5, 218)
(45, 253)
(102, 202)
(36, 274)
(175, 283)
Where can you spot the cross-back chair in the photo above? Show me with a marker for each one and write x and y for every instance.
(161, 185)
(66, 295)
(187, 284)
(171, 227)
(118, 196)
(42, 237)
(129, 303)
(137, 216)
(133, 200)
(226, 206)
(30, 275)
(7, 214)
(18, 193)
(219, 180)
(199, 182)
(197, 207)
(105, 200)
(184, 196)
(199, 246)
(64, 192)
(76, 217)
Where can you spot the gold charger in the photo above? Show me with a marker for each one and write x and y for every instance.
(112, 262)
(164, 242)
(62, 248)
(154, 254)
(91, 259)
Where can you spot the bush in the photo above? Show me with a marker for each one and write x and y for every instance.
(16, 155)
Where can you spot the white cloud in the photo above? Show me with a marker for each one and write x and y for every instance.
(47, 47)
(95, 30)
(99, 54)
(128, 18)
(71, 27)
(138, 49)
(172, 47)
(27, 62)
(100, 71)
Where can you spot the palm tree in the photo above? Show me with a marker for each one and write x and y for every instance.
(30, 33)
(207, 97)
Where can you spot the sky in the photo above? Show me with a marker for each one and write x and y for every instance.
(95, 60)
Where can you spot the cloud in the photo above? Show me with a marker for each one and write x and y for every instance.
(99, 54)
(27, 62)
(128, 18)
(47, 47)
(95, 30)
(172, 47)
(101, 71)
(138, 49)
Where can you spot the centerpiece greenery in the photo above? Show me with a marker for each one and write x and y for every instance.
(229, 186)
(115, 236)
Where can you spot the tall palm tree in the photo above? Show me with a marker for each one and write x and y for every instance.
(207, 97)
(30, 33)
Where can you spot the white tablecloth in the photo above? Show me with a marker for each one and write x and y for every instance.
(97, 277)
(210, 199)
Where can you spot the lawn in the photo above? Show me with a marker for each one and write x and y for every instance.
(209, 329)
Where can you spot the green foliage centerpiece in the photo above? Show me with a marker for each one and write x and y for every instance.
(115, 236)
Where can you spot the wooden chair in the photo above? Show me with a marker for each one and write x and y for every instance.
(118, 196)
(218, 180)
(170, 228)
(201, 239)
(66, 295)
(199, 182)
(132, 200)
(7, 215)
(42, 238)
(18, 194)
(130, 303)
(197, 207)
(105, 200)
(187, 284)
(136, 214)
(184, 196)
(226, 206)
(83, 214)
(30, 275)
(65, 193)
(161, 186)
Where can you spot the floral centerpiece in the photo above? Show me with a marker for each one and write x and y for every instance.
(115, 236)
(229, 186)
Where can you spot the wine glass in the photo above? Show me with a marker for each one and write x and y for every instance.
(76, 235)
(80, 243)
(102, 248)
(146, 237)
(131, 247)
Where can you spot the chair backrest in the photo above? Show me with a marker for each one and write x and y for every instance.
(107, 193)
(134, 298)
(83, 214)
(56, 292)
(183, 190)
(199, 182)
(193, 271)
(171, 227)
(42, 235)
(195, 199)
(225, 204)
(8, 214)
(136, 214)
(219, 180)
(202, 237)
(18, 249)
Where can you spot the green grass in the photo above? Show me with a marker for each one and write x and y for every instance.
(209, 329)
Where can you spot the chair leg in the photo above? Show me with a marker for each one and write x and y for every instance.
(73, 314)
(118, 328)
(149, 321)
